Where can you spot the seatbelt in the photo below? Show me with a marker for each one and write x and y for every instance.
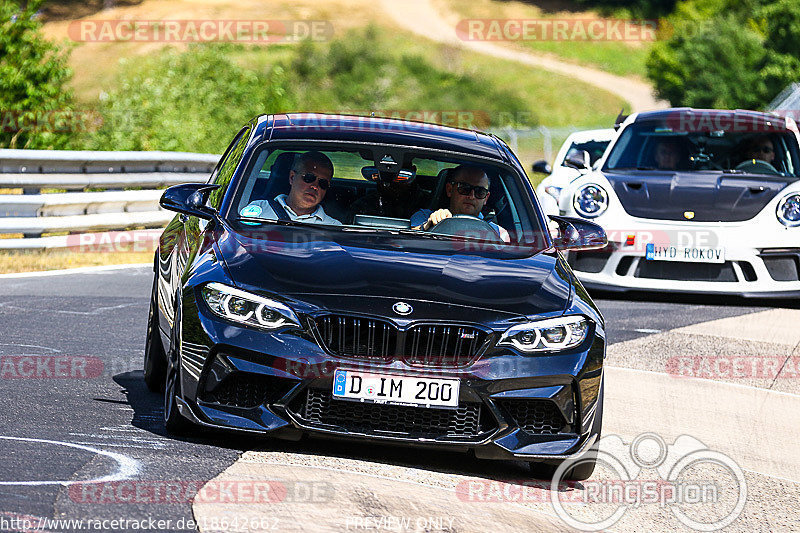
(280, 212)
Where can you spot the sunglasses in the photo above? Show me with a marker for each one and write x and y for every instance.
(309, 177)
(465, 189)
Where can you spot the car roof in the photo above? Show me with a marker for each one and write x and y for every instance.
(605, 134)
(769, 120)
(324, 127)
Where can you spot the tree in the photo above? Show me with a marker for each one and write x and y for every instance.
(727, 54)
(716, 65)
(35, 104)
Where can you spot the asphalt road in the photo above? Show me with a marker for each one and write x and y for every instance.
(85, 413)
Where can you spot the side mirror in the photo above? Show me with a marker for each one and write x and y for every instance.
(189, 199)
(542, 167)
(578, 234)
(581, 161)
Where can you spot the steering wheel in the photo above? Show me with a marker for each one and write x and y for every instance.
(467, 226)
(757, 166)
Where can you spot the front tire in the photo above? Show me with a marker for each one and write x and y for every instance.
(174, 422)
(155, 360)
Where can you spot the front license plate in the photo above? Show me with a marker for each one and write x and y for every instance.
(400, 390)
(657, 252)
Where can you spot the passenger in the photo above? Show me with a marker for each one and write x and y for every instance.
(760, 148)
(667, 154)
(309, 180)
(468, 190)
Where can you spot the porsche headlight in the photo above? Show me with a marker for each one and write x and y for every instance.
(590, 201)
(789, 210)
(247, 308)
(553, 334)
(553, 191)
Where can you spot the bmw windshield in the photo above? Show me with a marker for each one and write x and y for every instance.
(423, 196)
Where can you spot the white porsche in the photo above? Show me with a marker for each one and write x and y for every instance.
(693, 200)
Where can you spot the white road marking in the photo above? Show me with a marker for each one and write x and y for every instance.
(155, 445)
(80, 270)
(127, 467)
(96, 311)
(645, 330)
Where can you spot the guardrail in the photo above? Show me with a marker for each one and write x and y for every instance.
(33, 213)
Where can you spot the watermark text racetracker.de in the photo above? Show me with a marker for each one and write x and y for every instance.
(54, 121)
(27, 523)
(734, 367)
(215, 491)
(114, 241)
(555, 29)
(201, 31)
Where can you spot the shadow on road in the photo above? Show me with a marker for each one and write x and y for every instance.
(148, 414)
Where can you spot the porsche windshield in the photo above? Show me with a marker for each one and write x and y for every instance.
(386, 189)
(653, 145)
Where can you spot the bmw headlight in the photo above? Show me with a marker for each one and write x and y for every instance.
(590, 201)
(247, 308)
(789, 210)
(549, 335)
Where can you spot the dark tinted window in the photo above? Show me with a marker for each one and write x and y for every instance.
(596, 150)
(232, 158)
(655, 145)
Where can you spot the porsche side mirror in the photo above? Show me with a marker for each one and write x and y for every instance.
(189, 199)
(578, 234)
(542, 167)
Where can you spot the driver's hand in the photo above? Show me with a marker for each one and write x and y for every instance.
(436, 217)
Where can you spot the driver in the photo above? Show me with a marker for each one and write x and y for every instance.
(761, 148)
(468, 190)
(667, 154)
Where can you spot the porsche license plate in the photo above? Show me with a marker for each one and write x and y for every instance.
(685, 254)
(393, 389)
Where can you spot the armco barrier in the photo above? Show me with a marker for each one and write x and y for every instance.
(33, 213)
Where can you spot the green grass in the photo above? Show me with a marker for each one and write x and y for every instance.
(195, 100)
(616, 57)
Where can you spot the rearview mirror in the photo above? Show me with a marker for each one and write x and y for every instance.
(578, 234)
(405, 175)
(581, 160)
(189, 199)
(542, 167)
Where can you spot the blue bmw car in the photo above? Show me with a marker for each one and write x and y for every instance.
(380, 280)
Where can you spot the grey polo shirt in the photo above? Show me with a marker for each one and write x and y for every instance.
(262, 209)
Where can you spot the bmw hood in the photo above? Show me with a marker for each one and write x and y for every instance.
(332, 270)
(711, 196)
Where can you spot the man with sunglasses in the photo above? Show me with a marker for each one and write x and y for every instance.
(309, 180)
(468, 190)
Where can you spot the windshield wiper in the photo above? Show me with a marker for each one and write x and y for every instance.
(423, 234)
(258, 220)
